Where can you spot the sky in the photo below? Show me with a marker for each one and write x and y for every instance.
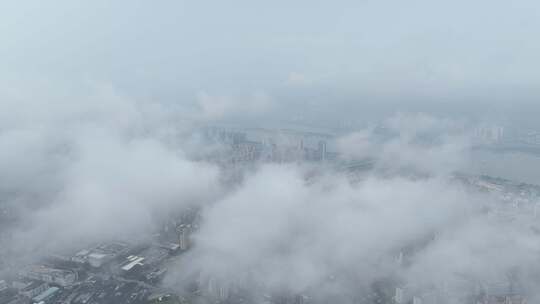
(313, 59)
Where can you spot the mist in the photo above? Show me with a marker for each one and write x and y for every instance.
(306, 152)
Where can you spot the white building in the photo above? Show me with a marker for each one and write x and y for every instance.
(132, 261)
(184, 232)
(489, 134)
(98, 259)
(51, 275)
(399, 296)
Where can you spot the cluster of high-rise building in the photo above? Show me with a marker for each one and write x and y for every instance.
(519, 139)
(489, 134)
(477, 293)
(271, 145)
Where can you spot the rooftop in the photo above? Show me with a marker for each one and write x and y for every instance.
(47, 293)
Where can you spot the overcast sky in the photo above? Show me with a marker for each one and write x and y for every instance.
(456, 57)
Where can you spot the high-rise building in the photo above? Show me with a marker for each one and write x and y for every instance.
(184, 232)
(398, 296)
(299, 299)
(489, 134)
(217, 289)
(322, 150)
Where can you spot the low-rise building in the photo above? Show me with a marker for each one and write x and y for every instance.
(510, 299)
(99, 259)
(46, 295)
(51, 275)
(30, 288)
(131, 262)
(101, 254)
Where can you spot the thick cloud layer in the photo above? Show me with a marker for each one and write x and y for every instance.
(298, 234)
(287, 230)
(417, 142)
(98, 166)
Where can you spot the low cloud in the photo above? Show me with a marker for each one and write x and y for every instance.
(286, 230)
(411, 141)
(291, 234)
(101, 166)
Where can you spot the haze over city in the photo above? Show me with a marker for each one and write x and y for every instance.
(279, 153)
